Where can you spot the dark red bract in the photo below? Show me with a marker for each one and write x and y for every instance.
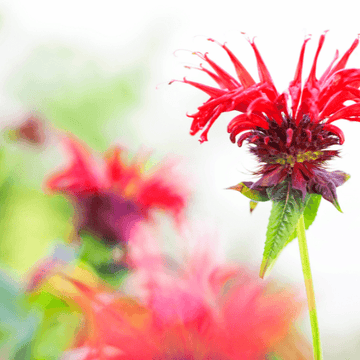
(288, 132)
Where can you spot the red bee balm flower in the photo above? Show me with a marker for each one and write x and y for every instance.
(109, 201)
(289, 138)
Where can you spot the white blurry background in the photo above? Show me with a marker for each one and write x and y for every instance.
(118, 34)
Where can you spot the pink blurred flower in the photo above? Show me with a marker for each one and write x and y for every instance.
(112, 197)
(200, 311)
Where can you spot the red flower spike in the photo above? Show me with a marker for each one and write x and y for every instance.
(110, 200)
(289, 133)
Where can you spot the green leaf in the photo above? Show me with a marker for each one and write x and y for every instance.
(56, 331)
(255, 195)
(18, 322)
(311, 209)
(285, 213)
(272, 357)
(100, 257)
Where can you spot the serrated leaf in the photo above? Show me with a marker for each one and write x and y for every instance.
(284, 216)
(311, 209)
(252, 194)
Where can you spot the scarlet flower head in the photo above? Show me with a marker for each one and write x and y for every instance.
(289, 132)
(111, 198)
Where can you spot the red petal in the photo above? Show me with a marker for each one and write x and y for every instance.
(259, 120)
(342, 62)
(155, 193)
(212, 103)
(325, 75)
(80, 175)
(263, 105)
(335, 130)
(215, 77)
(241, 127)
(295, 85)
(336, 102)
(347, 78)
(351, 113)
(230, 82)
(243, 137)
(114, 166)
(235, 121)
(281, 104)
(310, 94)
(211, 121)
(312, 76)
(243, 75)
(211, 91)
(263, 71)
(254, 119)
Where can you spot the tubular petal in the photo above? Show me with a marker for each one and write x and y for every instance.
(254, 119)
(215, 77)
(229, 81)
(243, 75)
(216, 114)
(351, 113)
(267, 107)
(310, 94)
(295, 85)
(325, 75)
(211, 91)
(281, 104)
(80, 176)
(235, 121)
(241, 127)
(336, 102)
(342, 62)
(335, 130)
(312, 76)
(263, 71)
(243, 137)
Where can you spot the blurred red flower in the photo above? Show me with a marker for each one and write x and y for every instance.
(199, 311)
(30, 131)
(110, 198)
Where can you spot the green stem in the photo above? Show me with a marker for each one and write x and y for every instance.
(304, 254)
